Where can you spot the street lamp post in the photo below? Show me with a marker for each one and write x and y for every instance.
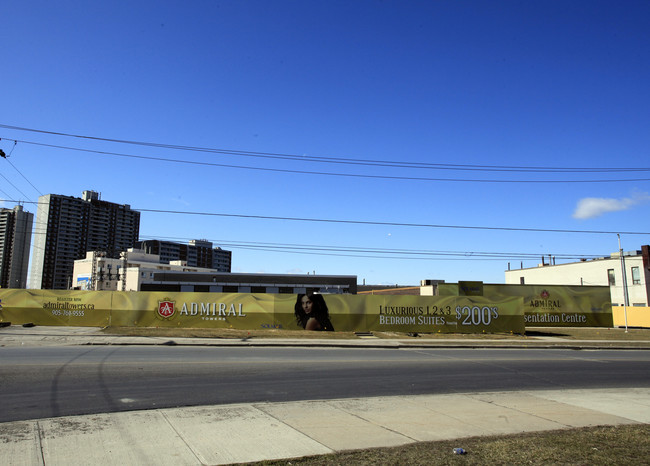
(620, 252)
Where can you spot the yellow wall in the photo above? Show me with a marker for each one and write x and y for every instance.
(637, 316)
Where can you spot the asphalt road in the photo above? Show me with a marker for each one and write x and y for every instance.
(59, 381)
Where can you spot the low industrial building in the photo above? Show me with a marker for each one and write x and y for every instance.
(139, 271)
(251, 283)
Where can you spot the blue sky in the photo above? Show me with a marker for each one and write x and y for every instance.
(460, 84)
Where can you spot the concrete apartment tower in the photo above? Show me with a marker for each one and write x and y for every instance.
(67, 227)
(15, 238)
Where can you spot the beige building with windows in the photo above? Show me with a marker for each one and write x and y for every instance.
(136, 270)
(629, 285)
(134, 267)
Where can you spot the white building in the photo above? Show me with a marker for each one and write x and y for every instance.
(128, 273)
(631, 282)
(139, 271)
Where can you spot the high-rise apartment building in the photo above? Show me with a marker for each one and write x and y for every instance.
(67, 227)
(198, 253)
(15, 237)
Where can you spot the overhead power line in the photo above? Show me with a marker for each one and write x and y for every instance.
(19, 172)
(349, 175)
(370, 222)
(340, 160)
(381, 252)
(376, 253)
(398, 224)
(13, 185)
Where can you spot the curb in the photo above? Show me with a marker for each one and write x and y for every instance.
(392, 345)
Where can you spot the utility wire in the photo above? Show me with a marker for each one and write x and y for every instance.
(372, 253)
(19, 172)
(420, 225)
(3, 192)
(385, 163)
(355, 249)
(349, 175)
(14, 186)
(371, 256)
(368, 222)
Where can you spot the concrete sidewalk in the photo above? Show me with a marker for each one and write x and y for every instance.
(261, 431)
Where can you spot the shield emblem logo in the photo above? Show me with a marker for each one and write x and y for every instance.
(166, 309)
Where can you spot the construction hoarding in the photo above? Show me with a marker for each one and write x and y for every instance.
(56, 307)
(450, 314)
(549, 305)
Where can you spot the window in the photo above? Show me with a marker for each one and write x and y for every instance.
(636, 276)
(522, 281)
(610, 277)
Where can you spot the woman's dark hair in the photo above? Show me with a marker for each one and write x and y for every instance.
(319, 311)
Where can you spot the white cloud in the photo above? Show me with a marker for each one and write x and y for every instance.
(591, 207)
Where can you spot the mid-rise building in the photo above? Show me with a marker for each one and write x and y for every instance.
(628, 276)
(15, 238)
(198, 253)
(68, 227)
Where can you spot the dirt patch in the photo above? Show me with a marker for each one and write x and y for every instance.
(14, 432)
(566, 333)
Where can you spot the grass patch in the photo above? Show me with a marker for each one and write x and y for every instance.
(620, 445)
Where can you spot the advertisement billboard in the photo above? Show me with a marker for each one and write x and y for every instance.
(56, 307)
(551, 305)
(351, 313)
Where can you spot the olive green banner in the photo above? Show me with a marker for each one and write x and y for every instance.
(448, 315)
(551, 305)
(195, 310)
(56, 307)
(426, 314)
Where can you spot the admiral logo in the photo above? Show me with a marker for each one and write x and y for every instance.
(166, 309)
(545, 302)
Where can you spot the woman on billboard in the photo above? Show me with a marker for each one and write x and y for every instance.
(312, 313)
